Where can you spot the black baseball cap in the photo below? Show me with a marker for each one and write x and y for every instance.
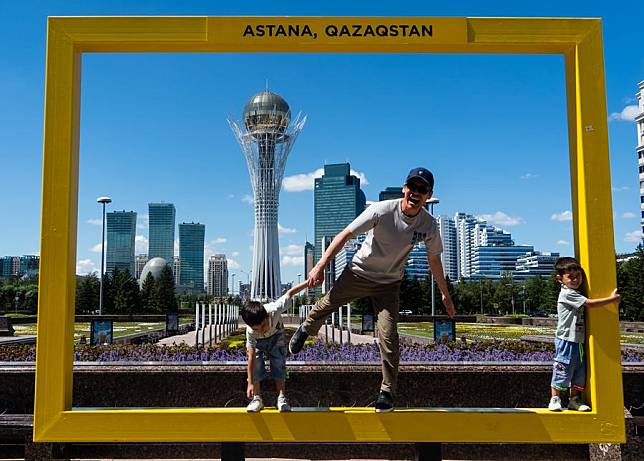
(424, 175)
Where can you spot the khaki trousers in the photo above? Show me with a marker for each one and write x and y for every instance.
(385, 300)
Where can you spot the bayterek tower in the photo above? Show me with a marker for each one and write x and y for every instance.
(266, 141)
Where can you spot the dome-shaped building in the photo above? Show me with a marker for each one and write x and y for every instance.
(154, 267)
(267, 112)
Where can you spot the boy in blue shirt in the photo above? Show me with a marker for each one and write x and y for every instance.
(569, 369)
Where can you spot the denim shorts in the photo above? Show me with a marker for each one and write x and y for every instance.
(272, 348)
(569, 369)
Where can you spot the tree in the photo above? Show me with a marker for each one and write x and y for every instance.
(165, 291)
(630, 283)
(87, 293)
(536, 295)
(149, 296)
(505, 292)
(126, 293)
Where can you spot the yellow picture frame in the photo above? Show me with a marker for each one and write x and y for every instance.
(580, 43)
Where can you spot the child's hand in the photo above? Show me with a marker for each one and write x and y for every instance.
(250, 391)
(615, 295)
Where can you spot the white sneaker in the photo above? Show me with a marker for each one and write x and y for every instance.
(555, 404)
(575, 403)
(255, 405)
(282, 403)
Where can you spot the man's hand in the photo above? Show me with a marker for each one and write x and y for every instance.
(316, 277)
(449, 306)
(250, 391)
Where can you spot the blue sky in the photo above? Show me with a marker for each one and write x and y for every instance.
(153, 127)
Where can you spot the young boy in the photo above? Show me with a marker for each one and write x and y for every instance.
(265, 339)
(569, 369)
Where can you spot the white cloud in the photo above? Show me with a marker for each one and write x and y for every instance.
(235, 253)
(628, 215)
(529, 176)
(140, 244)
(232, 264)
(231, 195)
(292, 250)
(176, 246)
(502, 219)
(285, 230)
(219, 240)
(96, 248)
(144, 222)
(248, 199)
(85, 266)
(251, 248)
(634, 237)
(292, 260)
(627, 114)
(563, 216)
(620, 189)
(306, 181)
(563, 242)
(95, 222)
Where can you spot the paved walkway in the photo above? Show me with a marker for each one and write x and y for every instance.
(189, 338)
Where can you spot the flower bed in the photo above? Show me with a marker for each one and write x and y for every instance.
(482, 351)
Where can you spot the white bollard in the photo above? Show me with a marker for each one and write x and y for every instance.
(349, 323)
(196, 324)
(210, 324)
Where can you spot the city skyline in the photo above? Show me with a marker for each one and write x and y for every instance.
(491, 127)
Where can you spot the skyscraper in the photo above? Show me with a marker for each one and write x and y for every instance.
(338, 200)
(218, 275)
(640, 149)
(390, 193)
(266, 142)
(121, 232)
(161, 229)
(191, 248)
(449, 257)
(309, 250)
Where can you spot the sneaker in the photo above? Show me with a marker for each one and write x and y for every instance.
(282, 403)
(384, 402)
(577, 404)
(255, 405)
(555, 404)
(297, 341)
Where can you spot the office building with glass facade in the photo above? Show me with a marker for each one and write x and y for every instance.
(161, 231)
(218, 275)
(121, 232)
(191, 255)
(535, 264)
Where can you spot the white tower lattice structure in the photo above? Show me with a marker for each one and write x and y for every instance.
(266, 142)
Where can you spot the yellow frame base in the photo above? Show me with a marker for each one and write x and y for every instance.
(578, 40)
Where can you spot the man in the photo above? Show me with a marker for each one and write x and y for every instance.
(378, 267)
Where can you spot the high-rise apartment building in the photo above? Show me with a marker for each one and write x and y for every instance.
(449, 257)
(121, 232)
(19, 266)
(338, 200)
(218, 275)
(139, 263)
(29, 265)
(191, 249)
(639, 119)
(535, 264)
(161, 231)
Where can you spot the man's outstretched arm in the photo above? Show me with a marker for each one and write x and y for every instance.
(316, 276)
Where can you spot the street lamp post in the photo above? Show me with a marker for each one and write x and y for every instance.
(104, 201)
(433, 201)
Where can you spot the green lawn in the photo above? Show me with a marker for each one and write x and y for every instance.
(478, 331)
(120, 329)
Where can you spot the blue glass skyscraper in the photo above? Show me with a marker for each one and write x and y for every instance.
(191, 249)
(161, 236)
(121, 232)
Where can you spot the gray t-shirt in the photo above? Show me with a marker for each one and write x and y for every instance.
(570, 310)
(274, 310)
(391, 237)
